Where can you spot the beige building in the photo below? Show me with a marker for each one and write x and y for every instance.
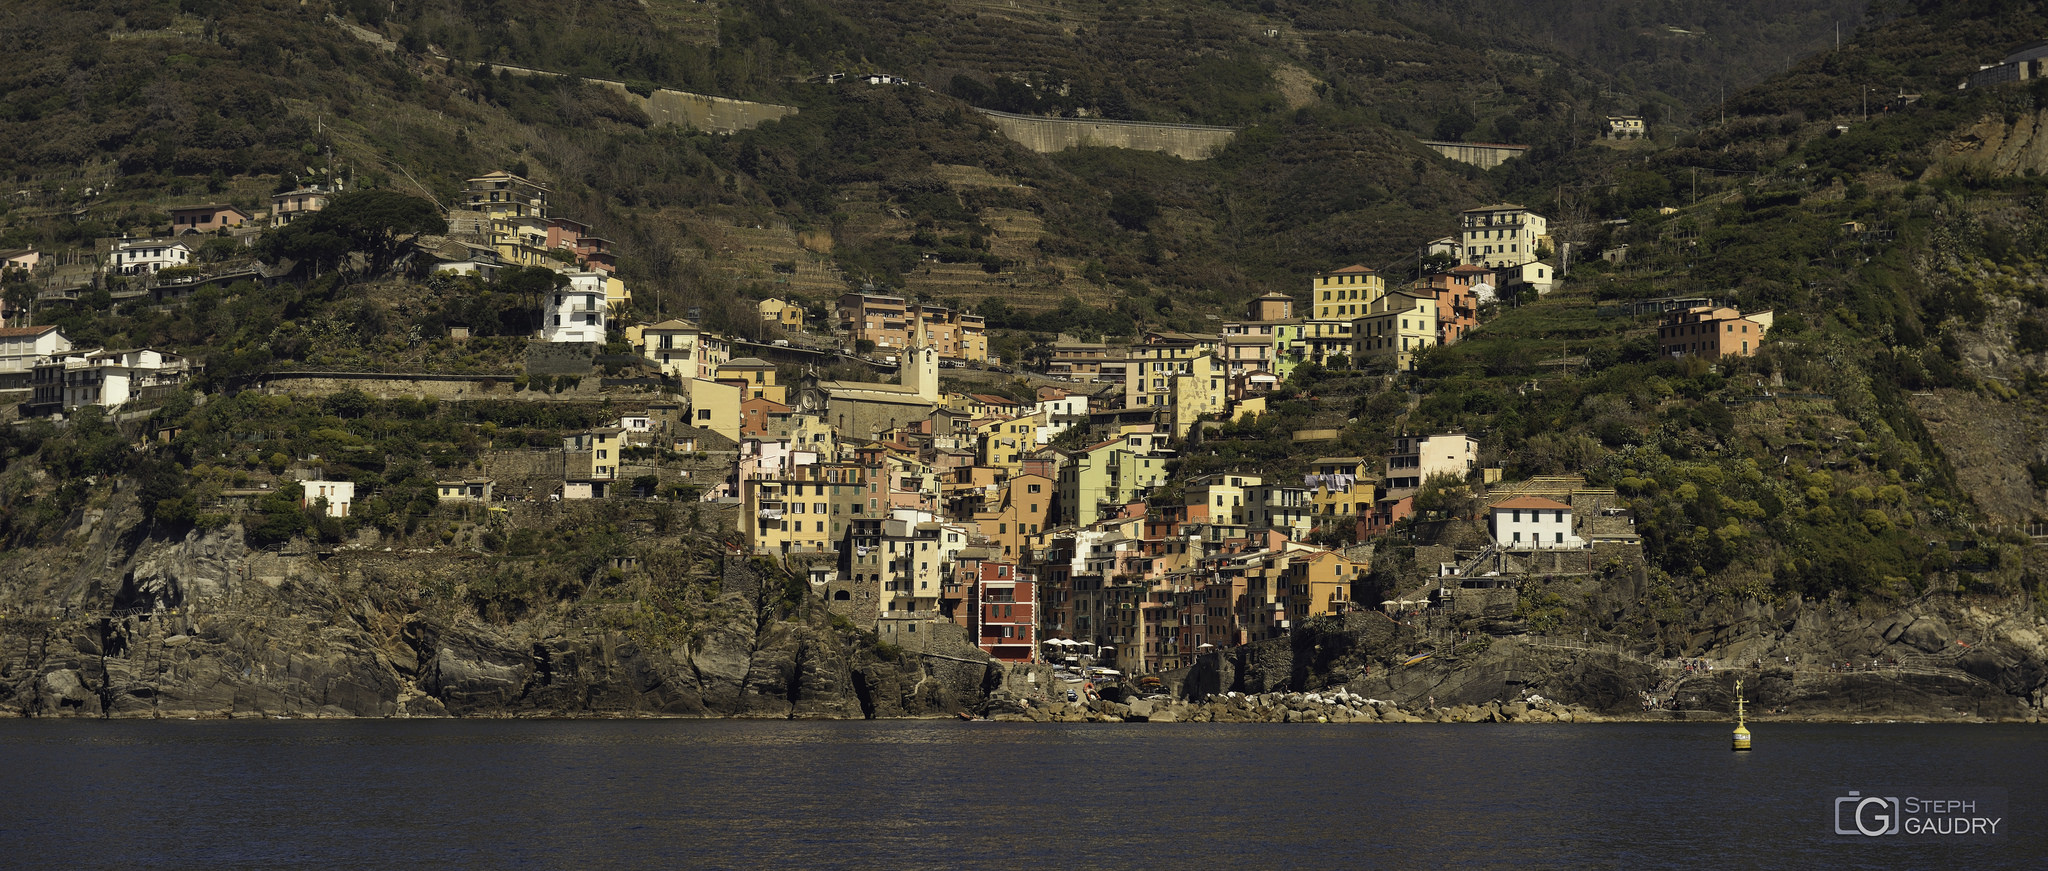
(1203, 388)
(1502, 235)
(1416, 459)
(1396, 327)
(893, 324)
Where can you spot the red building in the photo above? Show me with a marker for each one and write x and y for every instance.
(1005, 612)
(1457, 310)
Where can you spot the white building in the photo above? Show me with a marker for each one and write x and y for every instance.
(577, 312)
(1501, 236)
(1416, 459)
(148, 256)
(1538, 274)
(21, 347)
(70, 379)
(338, 495)
(680, 348)
(465, 490)
(1060, 412)
(1533, 523)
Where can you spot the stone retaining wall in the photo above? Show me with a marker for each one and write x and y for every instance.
(1046, 135)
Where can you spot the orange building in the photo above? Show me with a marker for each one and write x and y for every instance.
(1712, 332)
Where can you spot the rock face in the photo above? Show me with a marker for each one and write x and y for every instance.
(210, 630)
(200, 627)
(1920, 671)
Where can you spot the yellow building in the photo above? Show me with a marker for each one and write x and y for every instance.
(759, 376)
(1221, 497)
(1395, 328)
(1339, 489)
(784, 515)
(1343, 294)
(594, 455)
(1319, 583)
(1320, 341)
(1002, 442)
(1153, 366)
(715, 405)
(783, 313)
(1111, 473)
(515, 215)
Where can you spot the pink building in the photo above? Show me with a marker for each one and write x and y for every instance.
(206, 218)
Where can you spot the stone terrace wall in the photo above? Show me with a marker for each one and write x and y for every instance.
(1046, 135)
(682, 108)
(424, 385)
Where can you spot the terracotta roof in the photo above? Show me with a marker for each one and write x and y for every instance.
(1349, 270)
(1531, 502)
(24, 332)
(998, 400)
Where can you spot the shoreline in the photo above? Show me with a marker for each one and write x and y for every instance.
(1588, 719)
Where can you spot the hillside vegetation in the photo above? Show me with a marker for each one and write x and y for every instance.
(1902, 271)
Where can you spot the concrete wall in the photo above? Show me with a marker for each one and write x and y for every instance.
(1046, 135)
(704, 112)
(682, 108)
(1482, 155)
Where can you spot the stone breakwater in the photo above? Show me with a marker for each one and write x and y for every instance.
(1337, 706)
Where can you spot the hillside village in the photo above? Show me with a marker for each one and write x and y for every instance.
(1040, 518)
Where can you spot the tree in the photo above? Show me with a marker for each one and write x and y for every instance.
(1453, 126)
(376, 224)
(1133, 209)
(1445, 495)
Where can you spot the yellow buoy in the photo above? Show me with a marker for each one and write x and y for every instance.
(1741, 731)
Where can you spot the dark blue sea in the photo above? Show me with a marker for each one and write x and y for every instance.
(905, 795)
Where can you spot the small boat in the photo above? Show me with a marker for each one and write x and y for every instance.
(1417, 658)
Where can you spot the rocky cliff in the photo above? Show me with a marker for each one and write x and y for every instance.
(1942, 658)
(200, 626)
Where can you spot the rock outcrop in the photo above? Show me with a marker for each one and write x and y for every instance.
(201, 627)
